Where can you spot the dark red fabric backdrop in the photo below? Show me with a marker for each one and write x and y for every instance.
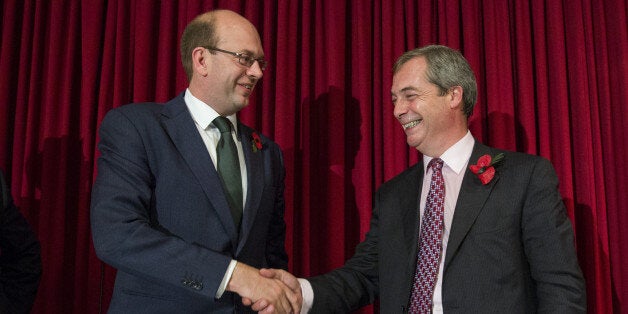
(552, 79)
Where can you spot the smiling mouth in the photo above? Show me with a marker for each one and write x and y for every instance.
(411, 124)
(247, 86)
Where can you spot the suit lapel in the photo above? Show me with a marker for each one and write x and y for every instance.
(471, 200)
(182, 130)
(255, 182)
(411, 215)
(409, 195)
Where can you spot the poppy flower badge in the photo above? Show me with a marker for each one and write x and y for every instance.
(256, 142)
(485, 169)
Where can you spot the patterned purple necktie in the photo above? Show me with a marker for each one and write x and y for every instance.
(430, 242)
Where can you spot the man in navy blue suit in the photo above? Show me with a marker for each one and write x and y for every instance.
(162, 213)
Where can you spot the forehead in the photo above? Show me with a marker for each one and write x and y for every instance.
(239, 36)
(410, 74)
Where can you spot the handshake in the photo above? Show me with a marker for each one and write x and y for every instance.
(266, 290)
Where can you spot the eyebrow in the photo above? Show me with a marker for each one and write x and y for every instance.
(409, 88)
(251, 54)
(405, 89)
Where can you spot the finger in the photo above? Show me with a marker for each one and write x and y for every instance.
(260, 305)
(287, 278)
(268, 310)
(294, 295)
(286, 301)
(296, 300)
(247, 301)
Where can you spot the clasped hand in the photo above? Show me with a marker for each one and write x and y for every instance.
(267, 290)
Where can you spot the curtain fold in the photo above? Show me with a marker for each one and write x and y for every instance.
(551, 78)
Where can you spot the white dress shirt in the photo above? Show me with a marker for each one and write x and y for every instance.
(203, 115)
(455, 159)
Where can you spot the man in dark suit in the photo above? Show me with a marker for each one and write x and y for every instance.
(495, 240)
(164, 213)
(20, 257)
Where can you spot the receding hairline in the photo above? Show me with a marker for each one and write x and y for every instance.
(214, 14)
(224, 18)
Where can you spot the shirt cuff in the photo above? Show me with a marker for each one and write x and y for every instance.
(308, 295)
(226, 278)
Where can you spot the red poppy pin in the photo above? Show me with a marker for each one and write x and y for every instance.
(484, 168)
(256, 141)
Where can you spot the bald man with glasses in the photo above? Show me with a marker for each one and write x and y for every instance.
(188, 203)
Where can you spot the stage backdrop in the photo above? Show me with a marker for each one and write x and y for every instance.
(552, 79)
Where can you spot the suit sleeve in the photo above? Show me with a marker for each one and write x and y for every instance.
(125, 231)
(356, 283)
(549, 245)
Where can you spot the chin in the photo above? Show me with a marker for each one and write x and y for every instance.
(240, 103)
(413, 141)
(414, 145)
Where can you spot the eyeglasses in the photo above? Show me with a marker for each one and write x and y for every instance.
(243, 59)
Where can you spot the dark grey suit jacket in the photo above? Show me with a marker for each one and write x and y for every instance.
(160, 216)
(510, 249)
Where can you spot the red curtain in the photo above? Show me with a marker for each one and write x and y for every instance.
(552, 79)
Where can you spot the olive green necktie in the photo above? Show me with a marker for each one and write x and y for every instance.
(229, 168)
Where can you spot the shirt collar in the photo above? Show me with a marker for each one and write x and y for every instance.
(203, 114)
(457, 156)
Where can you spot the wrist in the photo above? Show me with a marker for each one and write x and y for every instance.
(239, 279)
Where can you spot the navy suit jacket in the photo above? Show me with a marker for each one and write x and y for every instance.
(20, 257)
(160, 216)
(510, 247)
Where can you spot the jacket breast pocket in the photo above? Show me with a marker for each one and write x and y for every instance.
(495, 221)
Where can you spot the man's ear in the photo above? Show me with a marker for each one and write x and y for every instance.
(200, 62)
(455, 97)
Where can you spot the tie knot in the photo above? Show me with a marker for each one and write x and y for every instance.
(223, 124)
(435, 164)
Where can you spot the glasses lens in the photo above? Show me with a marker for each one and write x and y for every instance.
(248, 62)
(245, 60)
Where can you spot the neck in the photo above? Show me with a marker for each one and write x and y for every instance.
(443, 144)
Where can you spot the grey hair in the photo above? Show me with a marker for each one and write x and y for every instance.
(446, 68)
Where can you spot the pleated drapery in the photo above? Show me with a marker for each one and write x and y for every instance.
(551, 76)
